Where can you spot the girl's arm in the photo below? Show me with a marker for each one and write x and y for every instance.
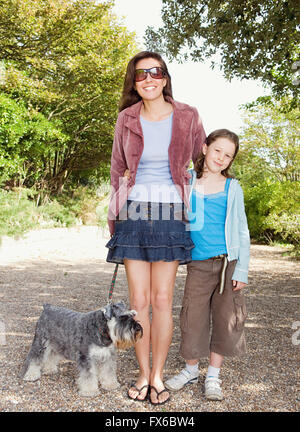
(240, 274)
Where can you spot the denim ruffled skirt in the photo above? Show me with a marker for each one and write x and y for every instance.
(150, 232)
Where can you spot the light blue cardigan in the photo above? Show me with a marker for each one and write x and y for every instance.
(236, 229)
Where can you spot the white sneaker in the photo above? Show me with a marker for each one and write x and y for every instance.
(213, 389)
(179, 381)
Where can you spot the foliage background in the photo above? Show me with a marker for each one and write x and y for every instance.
(268, 169)
(62, 65)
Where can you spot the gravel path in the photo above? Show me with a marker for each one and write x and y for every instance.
(67, 267)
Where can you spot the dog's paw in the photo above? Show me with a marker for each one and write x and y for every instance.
(32, 376)
(112, 385)
(50, 370)
(88, 393)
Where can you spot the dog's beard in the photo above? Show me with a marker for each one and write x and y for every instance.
(125, 334)
(123, 345)
(130, 340)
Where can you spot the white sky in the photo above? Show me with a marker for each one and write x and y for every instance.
(216, 99)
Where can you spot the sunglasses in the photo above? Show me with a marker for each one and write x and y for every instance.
(155, 72)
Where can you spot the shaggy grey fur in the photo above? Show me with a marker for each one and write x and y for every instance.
(89, 339)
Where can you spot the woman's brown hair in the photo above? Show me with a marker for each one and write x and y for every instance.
(130, 96)
(219, 133)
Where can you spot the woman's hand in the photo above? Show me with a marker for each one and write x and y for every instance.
(238, 285)
(127, 174)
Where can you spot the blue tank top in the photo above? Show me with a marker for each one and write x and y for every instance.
(207, 223)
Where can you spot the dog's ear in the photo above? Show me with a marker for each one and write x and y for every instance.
(119, 308)
(114, 309)
(133, 312)
(108, 311)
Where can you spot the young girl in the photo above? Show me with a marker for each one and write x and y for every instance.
(219, 268)
(155, 139)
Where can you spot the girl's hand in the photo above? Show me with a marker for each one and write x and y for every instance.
(127, 174)
(238, 285)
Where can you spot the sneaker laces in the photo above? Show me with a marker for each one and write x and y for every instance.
(213, 383)
(185, 374)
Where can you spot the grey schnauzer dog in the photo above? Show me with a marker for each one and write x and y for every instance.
(90, 339)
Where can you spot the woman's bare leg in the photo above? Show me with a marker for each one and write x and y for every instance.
(163, 276)
(139, 282)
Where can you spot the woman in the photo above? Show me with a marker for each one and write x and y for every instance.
(155, 139)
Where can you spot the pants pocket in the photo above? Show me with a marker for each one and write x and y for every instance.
(240, 310)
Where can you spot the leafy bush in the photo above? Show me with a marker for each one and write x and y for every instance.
(54, 214)
(18, 214)
(273, 211)
(267, 167)
(20, 211)
(82, 202)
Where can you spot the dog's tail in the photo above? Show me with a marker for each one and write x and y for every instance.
(35, 353)
(34, 348)
(24, 368)
(26, 364)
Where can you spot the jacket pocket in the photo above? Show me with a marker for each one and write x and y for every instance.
(240, 310)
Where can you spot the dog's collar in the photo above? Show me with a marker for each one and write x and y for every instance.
(104, 332)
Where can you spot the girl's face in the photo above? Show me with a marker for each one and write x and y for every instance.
(150, 89)
(218, 154)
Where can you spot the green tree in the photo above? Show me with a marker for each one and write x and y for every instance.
(270, 139)
(255, 39)
(66, 60)
(25, 135)
(268, 169)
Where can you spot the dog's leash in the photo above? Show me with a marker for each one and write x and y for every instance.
(112, 285)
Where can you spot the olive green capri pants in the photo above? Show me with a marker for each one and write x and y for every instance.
(211, 321)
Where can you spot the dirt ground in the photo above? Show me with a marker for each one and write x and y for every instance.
(66, 267)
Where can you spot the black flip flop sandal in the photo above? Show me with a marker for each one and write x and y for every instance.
(139, 390)
(157, 395)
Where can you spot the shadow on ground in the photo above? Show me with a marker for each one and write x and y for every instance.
(263, 380)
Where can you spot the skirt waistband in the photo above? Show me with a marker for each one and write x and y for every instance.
(145, 210)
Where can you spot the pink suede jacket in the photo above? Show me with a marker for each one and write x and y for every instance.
(187, 138)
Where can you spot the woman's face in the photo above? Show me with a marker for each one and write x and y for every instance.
(149, 89)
